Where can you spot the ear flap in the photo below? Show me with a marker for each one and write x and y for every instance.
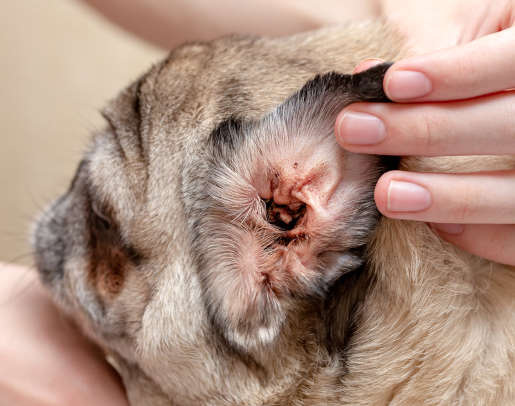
(313, 109)
(324, 96)
(286, 211)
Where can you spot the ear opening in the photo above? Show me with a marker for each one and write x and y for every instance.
(286, 212)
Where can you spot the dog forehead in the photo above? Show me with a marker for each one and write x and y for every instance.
(235, 76)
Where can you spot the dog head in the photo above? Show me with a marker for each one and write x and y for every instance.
(209, 223)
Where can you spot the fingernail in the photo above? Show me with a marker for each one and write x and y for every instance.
(449, 228)
(360, 128)
(407, 196)
(405, 84)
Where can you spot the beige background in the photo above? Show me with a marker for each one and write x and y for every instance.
(60, 62)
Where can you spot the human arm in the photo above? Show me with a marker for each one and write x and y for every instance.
(168, 23)
(44, 359)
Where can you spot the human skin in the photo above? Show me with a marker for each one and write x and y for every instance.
(454, 101)
(44, 359)
(172, 22)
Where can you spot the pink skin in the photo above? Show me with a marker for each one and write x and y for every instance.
(45, 360)
(294, 182)
(473, 211)
(321, 182)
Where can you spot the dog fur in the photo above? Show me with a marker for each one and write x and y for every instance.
(145, 250)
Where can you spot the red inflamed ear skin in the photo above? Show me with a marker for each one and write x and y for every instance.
(287, 211)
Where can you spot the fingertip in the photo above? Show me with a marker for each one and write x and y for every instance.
(404, 85)
(451, 229)
(381, 192)
(367, 64)
(338, 128)
(356, 127)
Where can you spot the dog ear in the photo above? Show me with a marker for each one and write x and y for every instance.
(316, 104)
(285, 211)
(323, 97)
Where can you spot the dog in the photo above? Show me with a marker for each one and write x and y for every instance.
(223, 250)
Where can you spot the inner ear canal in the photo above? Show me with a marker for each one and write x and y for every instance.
(284, 217)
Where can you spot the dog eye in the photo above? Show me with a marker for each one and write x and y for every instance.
(101, 218)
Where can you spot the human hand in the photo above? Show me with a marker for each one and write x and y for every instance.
(454, 102)
(44, 359)
(169, 23)
(432, 25)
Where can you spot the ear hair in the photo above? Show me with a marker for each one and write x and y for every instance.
(249, 282)
(314, 107)
(321, 99)
(363, 86)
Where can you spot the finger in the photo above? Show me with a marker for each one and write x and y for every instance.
(477, 68)
(473, 127)
(473, 198)
(367, 64)
(491, 241)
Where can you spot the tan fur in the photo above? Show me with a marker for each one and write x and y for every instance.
(432, 325)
